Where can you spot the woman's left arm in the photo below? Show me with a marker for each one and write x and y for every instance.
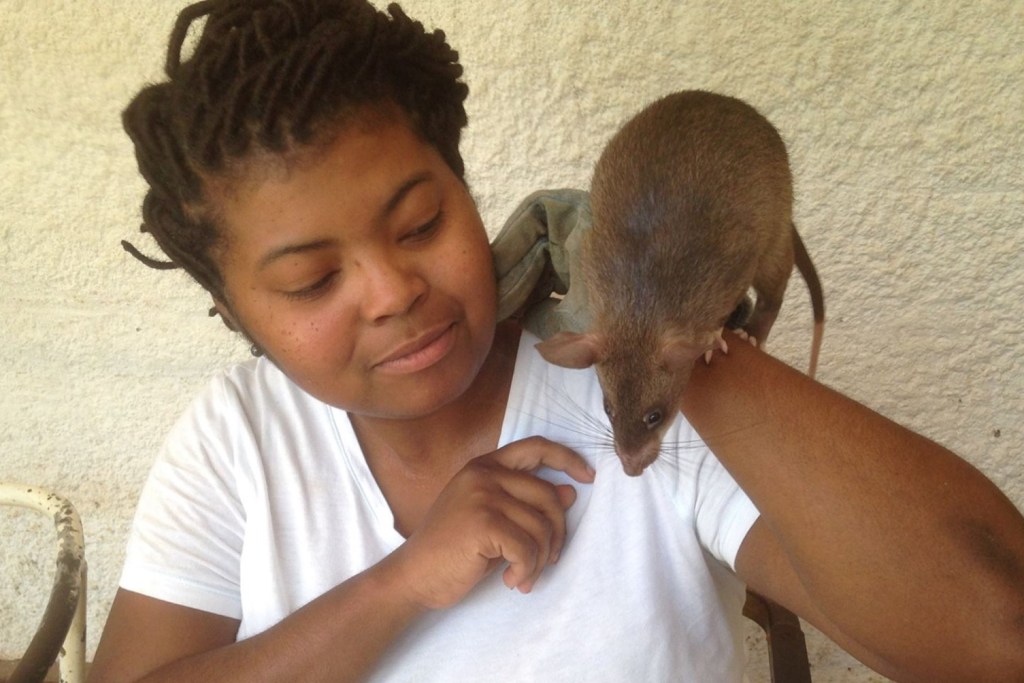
(899, 550)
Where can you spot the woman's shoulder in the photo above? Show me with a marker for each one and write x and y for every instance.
(253, 395)
(255, 383)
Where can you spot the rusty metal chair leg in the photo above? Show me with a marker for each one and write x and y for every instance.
(61, 633)
(787, 649)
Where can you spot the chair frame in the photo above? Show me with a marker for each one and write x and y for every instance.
(787, 649)
(61, 633)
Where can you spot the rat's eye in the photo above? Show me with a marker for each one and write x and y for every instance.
(607, 408)
(652, 419)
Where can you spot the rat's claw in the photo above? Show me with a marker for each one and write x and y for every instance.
(716, 340)
(721, 341)
(745, 336)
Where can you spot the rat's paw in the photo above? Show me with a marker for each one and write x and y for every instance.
(742, 334)
(718, 341)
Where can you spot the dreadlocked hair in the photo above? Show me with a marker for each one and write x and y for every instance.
(271, 75)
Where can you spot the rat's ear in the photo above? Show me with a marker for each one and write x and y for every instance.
(678, 352)
(571, 349)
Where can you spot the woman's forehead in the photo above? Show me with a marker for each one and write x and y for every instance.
(261, 164)
(357, 180)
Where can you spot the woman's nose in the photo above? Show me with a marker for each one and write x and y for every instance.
(391, 287)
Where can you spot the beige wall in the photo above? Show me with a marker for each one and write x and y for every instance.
(905, 122)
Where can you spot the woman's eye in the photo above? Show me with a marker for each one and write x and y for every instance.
(314, 290)
(426, 229)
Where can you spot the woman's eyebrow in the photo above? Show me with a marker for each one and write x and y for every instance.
(275, 254)
(392, 203)
(403, 190)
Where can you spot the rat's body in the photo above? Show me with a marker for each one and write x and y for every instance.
(692, 206)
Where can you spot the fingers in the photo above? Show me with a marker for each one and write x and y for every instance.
(529, 542)
(495, 510)
(566, 495)
(536, 508)
(522, 519)
(535, 452)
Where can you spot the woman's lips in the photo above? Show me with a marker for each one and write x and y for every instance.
(422, 352)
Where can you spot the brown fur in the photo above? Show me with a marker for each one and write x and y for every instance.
(692, 205)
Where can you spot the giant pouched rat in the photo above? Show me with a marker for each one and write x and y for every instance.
(692, 205)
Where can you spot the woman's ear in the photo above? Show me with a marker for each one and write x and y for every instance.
(224, 311)
(221, 308)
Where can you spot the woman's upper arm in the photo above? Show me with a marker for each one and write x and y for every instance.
(143, 633)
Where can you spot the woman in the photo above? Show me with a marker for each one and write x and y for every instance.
(358, 502)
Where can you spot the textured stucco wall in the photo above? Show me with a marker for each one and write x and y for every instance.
(905, 122)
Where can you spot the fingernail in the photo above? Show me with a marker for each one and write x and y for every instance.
(570, 494)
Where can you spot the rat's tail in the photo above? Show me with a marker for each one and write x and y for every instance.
(810, 275)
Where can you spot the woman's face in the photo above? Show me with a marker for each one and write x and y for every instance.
(363, 271)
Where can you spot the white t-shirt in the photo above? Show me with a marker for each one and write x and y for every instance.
(261, 500)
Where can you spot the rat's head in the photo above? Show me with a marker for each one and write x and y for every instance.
(643, 385)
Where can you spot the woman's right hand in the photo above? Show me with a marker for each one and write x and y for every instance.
(495, 510)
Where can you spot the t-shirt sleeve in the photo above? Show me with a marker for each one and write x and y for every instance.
(723, 511)
(186, 539)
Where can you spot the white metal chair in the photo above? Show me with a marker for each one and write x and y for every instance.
(61, 633)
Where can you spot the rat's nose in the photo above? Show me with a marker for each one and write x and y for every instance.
(636, 457)
(632, 469)
(633, 464)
